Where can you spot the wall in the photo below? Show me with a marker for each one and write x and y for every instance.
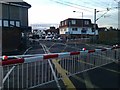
(11, 36)
(15, 13)
(24, 16)
(66, 29)
(11, 39)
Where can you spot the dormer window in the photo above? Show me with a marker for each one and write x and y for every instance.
(62, 23)
(73, 21)
(86, 22)
(65, 22)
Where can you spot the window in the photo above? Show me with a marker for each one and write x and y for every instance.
(69, 23)
(73, 21)
(0, 23)
(62, 23)
(5, 23)
(65, 22)
(17, 24)
(64, 29)
(93, 28)
(84, 30)
(61, 30)
(86, 22)
(12, 23)
(74, 29)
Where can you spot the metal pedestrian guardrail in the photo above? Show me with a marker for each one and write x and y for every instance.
(30, 71)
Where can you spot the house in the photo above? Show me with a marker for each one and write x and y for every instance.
(14, 23)
(52, 32)
(77, 28)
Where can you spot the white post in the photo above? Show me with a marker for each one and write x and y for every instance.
(82, 15)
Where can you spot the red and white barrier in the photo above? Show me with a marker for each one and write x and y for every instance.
(39, 57)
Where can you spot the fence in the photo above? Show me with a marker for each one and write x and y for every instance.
(31, 71)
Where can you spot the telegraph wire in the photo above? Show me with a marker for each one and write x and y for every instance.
(96, 3)
(70, 5)
(78, 5)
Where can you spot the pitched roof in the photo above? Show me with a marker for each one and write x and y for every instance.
(76, 19)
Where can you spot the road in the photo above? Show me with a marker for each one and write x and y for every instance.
(105, 77)
(85, 77)
(40, 72)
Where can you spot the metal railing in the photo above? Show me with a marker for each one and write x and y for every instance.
(35, 71)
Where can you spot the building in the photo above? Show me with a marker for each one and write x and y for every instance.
(14, 23)
(77, 28)
(53, 33)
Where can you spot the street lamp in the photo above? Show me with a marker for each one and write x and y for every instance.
(79, 12)
(82, 20)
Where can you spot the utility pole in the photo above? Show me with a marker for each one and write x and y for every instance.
(94, 25)
(94, 16)
(82, 15)
(118, 15)
(95, 19)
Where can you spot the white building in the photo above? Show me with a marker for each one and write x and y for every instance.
(77, 28)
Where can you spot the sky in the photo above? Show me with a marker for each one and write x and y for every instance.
(54, 11)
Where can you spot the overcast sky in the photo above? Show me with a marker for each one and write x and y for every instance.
(54, 11)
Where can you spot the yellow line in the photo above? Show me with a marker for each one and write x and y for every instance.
(65, 78)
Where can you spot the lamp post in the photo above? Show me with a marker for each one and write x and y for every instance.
(82, 20)
(79, 12)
